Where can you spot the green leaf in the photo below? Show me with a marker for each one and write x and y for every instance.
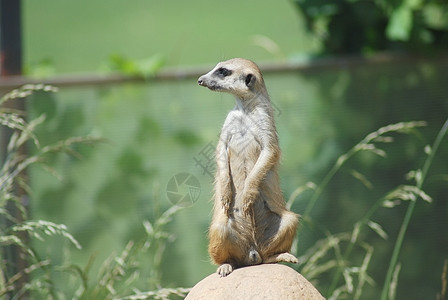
(144, 67)
(414, 4)
(400, 24)
(121, 64)
(149, 67)
(436, 16)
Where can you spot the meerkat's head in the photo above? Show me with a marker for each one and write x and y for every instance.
(239, 77)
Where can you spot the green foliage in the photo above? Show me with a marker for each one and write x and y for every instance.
(346, 199)
(367, 26)
(42, 69)
(367, 144)
(38, 278)
(348, 255)
(119, 275)
(145, 68)
(16, 228)
(415, 192)
(112, 199)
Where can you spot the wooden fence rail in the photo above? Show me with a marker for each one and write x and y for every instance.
(9, 83)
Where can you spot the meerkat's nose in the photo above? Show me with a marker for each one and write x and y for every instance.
(201, 81)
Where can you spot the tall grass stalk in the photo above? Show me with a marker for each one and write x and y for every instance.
(420, 179)
(367, 144)
(139, 264)
(15, 228)
(352, 242)
(390, 200)
(442, 294)
(344, 247)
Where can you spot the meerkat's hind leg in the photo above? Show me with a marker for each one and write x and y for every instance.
(282, 257)
(224, 270)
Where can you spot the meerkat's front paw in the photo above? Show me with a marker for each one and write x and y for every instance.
(282, 257)
(287, 257)
(224, 270)
(249, 197)
(226, 207)
(226, 201)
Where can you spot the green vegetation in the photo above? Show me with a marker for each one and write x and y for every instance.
(111, 198)
(118, 274)
(108, 227)
(369, 26)
(317, 260)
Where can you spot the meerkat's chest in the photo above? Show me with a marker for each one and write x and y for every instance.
(241, 134)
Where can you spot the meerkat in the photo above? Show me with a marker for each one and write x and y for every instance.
(250, 224)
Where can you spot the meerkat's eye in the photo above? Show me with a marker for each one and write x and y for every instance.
(223, 72)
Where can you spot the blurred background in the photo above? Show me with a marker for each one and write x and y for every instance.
(139, 200)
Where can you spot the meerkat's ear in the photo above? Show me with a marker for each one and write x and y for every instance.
(250, 80)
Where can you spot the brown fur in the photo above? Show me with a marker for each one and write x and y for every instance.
(251, 224)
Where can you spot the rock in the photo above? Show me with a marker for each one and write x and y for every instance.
(268, 281)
